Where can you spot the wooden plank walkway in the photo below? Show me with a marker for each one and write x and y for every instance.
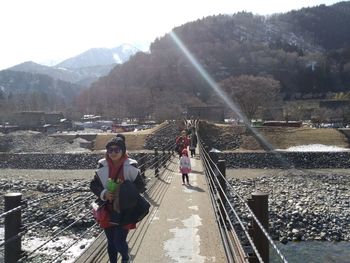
(180, 227)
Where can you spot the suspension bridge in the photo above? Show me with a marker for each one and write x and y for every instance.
(186, 223)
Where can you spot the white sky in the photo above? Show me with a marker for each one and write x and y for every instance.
(42, 30)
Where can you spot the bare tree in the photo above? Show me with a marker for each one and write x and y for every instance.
(252, 93)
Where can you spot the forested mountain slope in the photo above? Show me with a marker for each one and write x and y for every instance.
(307, 51)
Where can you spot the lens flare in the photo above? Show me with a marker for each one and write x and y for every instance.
(225, 97)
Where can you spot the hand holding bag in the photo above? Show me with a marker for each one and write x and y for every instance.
(101, 214)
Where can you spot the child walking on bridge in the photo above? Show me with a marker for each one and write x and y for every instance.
(185, 166)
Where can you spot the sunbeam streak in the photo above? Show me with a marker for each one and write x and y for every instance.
(222, 94)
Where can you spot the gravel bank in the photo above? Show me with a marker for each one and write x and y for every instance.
(303, 204)
(45, 174)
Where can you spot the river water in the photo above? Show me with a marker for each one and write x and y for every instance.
(313, 252)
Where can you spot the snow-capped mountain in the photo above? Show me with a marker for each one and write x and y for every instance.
(122, 53)
(100, 56)
(84, 68)
(81, 76)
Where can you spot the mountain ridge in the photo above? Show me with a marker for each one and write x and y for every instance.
(84, 68)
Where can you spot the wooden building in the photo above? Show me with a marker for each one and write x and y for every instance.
(39, 120)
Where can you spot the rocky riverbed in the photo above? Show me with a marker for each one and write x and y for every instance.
(38, 142)
(303, 205)
(52, 206)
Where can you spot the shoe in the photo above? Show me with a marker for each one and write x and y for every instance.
(127, 260)
(183, 183)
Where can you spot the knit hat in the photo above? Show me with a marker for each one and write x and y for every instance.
(121, 136)
(117, 141)
(184, 151)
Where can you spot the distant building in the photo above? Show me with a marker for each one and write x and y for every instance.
(39, 120)
(210, 113)
(90, 117)
(29, 119)
(54, 118)
(297, 124)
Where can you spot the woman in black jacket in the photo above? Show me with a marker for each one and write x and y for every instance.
(116, 167)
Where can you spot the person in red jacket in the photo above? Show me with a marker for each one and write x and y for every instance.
(182, 142)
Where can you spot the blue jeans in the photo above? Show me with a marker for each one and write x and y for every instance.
(116, 243)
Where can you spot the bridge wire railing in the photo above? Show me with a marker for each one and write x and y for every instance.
(26, 203)
(52, 237)
(26, 227)
(217, 172)
(227, 242)
(208, 162)
(33, 225)
(75, 242)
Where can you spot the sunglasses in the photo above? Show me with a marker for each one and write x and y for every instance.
(114, 149)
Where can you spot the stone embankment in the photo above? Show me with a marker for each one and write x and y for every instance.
(253, 160)
(306, 160)
(302, 205)
(54, 161)
(162, 138)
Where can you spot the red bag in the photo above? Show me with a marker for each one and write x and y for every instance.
(101, 215)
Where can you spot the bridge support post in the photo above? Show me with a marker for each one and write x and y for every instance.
(205, 151)
(156, 162)
(206, 148)
(142, 164)
(169, 155)
(222, 189)
(172, 149)
(259, 206)
(212, 164)
(164, 157)
(12, 227)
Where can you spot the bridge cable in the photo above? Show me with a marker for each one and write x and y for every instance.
(250, 211)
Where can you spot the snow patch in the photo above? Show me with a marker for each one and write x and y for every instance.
(314, 148)
(185, 245)
(117, 58)
(128, 48)
(54, 248)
